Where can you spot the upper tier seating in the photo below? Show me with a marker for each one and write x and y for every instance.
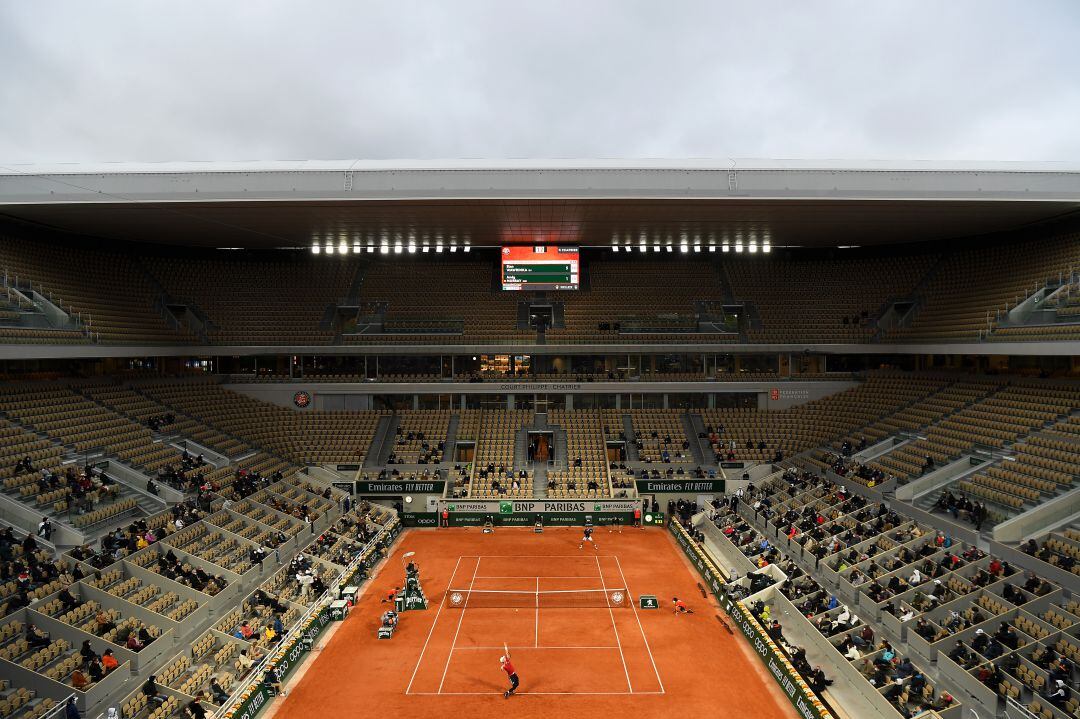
(414, 291)
(110, 290)
(970, 284)
(280, 301)
(823, 300)
(625, 292)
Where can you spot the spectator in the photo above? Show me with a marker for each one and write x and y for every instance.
(220, 696)
(271, 682)
(195, 708)
(70, 710)
(108, 661)
(150, 691)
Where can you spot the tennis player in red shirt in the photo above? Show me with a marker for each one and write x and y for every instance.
(511, 674)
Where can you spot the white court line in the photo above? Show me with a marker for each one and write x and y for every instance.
(533, 576)
(462, 649)
(456, 631)
(536, 641)
(534, 693)
(614, 628)
(432, 630)
(630, 596)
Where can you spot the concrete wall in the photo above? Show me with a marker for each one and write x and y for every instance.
(792, 393)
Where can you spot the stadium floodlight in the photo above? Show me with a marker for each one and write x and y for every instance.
(467, 248)
(343, 248)
(712, 248)
(656, 247)
(684, 247)
(315, 248)
(738, 245)
(643, 247)
(453, 247)
(614, 248)
(412, 248)
(329, 249)
(697, 248)
(425, 248)
(753, 246)
(384, 249)
(356, 248)
(726, 247)
(398, 248)
(670, 248)
(766, 247)
(438, 247)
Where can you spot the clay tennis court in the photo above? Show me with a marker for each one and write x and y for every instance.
(586, 648)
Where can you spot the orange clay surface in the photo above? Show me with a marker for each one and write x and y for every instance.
(573, 662)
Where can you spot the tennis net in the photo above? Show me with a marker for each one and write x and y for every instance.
(568, 598)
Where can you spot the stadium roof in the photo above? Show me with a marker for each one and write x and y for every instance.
(591, 203)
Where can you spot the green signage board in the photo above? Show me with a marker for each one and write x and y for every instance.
(401, 486)
(798, 693)
(649, 601)
(679, 486)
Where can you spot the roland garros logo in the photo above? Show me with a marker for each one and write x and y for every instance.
(301, 399)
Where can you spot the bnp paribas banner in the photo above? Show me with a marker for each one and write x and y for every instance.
(541, 506)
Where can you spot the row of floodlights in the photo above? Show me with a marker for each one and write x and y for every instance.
(752, 247)
(386, 248)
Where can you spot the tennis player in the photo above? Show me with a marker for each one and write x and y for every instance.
(511, 674)
(680, 606)
(587, 537)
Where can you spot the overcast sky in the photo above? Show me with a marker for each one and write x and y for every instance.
(150, 81)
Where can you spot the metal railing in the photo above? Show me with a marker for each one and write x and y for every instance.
(255, 676)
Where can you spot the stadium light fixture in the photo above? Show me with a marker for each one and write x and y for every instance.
(643, 247)
(356, 248)
(467, 248)
(614, 248)
(315, 248)
(343, 248)
(738, 245)
(412, 248)
(766, 248)
(697, 248)
(384, 249)
(398, 249)
(329, 249)
(684, 247)
(425, 248)
(371, 249)
(438, 247)
(453, 247)
(726, 247)
(712, 248)
(753, 246)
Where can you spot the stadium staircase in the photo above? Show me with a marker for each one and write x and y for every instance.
(177, 313)
(1050, 306)
(916, 298)
(23, 306)
(382, 443)
(632, 454)
(694, 430)
(450, 443)
(693, 426)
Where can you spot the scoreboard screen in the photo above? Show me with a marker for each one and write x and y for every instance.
(539, 267)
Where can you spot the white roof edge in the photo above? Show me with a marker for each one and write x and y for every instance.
(658, 164)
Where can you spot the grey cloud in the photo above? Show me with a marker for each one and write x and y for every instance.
(136, 81)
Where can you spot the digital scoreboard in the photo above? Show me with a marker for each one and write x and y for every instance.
(540, 267)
